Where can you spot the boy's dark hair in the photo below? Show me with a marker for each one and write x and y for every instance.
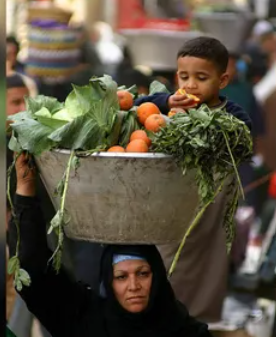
(206, 48)
(11, 39)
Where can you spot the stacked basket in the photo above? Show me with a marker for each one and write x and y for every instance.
(54, 46)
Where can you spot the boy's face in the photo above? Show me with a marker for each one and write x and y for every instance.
(201, 78)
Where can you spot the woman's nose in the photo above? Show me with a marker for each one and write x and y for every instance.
(134, 283)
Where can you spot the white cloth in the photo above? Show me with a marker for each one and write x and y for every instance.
(266, 86)
(262, 27)
(109, 52)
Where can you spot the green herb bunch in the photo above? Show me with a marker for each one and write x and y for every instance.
(213, 143)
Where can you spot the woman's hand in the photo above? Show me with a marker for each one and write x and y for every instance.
(26, 175)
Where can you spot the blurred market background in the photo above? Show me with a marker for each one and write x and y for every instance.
(56, 43)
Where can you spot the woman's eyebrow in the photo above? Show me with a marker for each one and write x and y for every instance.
(120, 271)
(143, 267)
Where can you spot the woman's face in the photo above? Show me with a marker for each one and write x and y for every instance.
(131, 284)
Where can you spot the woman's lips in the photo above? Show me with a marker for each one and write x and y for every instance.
(136, 299)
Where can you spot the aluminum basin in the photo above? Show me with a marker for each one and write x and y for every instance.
(123, 198)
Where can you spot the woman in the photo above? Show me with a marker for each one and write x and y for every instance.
(136, 297)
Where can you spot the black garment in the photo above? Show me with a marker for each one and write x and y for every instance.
(161, 100)
(86, 254)
(69, 309)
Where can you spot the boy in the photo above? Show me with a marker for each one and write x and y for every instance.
(200, 278)
(201, 70)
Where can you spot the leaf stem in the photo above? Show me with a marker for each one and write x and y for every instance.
(234, 165)
(66, 183)
(230, 217)
(11, 168)
(58, 249)
(192, 226)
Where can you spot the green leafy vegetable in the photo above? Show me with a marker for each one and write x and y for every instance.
(133, 90)
(50, 103)
(157, 87)
(32, 136)
(129, 125)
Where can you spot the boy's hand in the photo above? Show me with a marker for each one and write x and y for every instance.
(26, 175)
(181, 101)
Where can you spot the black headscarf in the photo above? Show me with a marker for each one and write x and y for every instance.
(164, 316)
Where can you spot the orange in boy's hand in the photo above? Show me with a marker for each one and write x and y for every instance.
(125, 99)
(183, 92)
(137, 145)
(155, 122)
(145, 110)
(140, 134)
(116, 148)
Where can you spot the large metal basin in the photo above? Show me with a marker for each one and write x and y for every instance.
(231, 29)
(156, 49)
(124, 198)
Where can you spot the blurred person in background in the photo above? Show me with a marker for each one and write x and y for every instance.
(90, 63)
(109, 52)
(126, 64)
(17, 314)
(12, 50)
(266, 36)
(90, 56)
(240, 91)
(265, 92)
(257, 57)
(269, 206)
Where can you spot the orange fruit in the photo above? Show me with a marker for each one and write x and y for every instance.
(145, 110)
(137, 145)
(140, 134)
(183, 92)
(125, 99)
(116, 148)
(155, 122)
